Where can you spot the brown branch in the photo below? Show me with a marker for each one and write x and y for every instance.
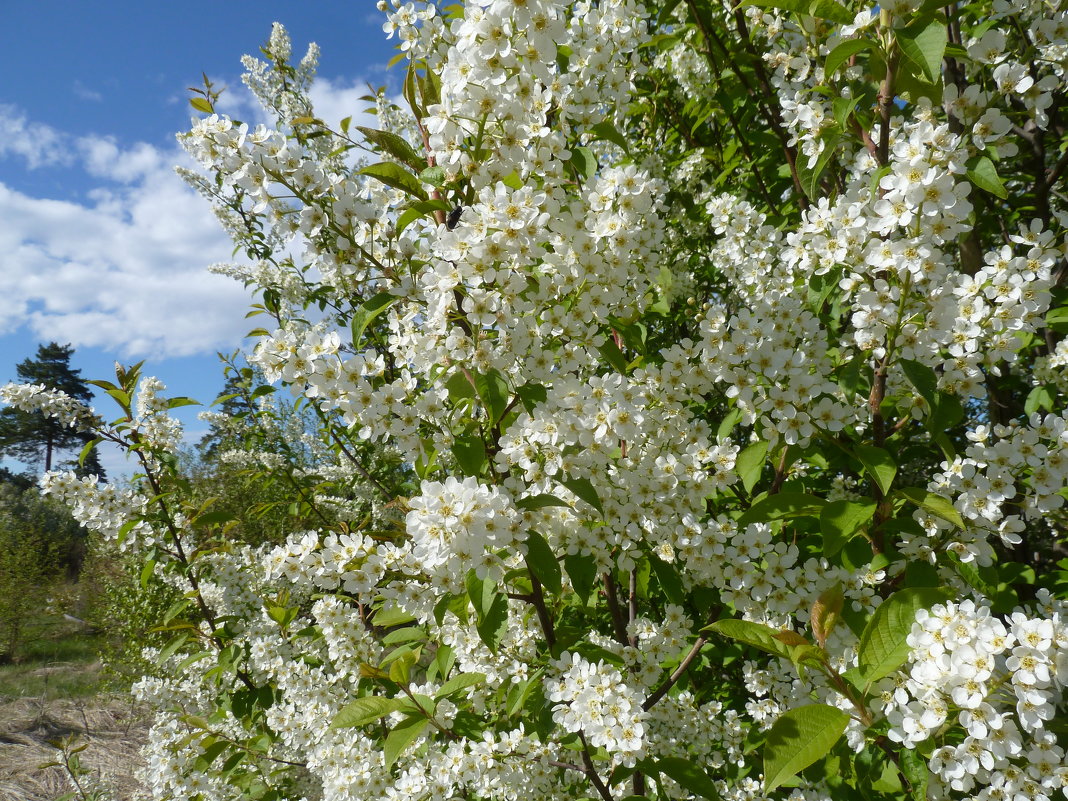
(1056, 170)
(676, 674)
(190, 573)
(537, 599)
(780, 473)
(359, 466)
(618, 622)
(591, 771)
(885, 101)
(774, 117)
(632, 605)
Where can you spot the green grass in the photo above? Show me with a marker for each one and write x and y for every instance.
(56, 659)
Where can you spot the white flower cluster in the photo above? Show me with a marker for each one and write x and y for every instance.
(106, 509)
(1025, 464)
(154, 425)
(1002, 681)
(456, 526)
(594, 700)
(353, 562)
(662, 478)
(50, 402)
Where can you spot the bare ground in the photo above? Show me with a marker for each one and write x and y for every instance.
(110, 726)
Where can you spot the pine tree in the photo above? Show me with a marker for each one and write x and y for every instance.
(30, 437)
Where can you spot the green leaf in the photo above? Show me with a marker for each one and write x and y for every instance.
(924, 43)
(480, 592)
(826, 612)
(613, 356)
(147, 572)
(540, 502)
(607, 131)
(492, 625)
(389, 616)
(810, 178)
(842, 108)
(726, 425)
(532, 395)
(665, 12)
(823, 9)
(400, 669)
(493, 392)
(399, 636)
(1041, 397)
(914, 768)
(841, 520)
(582, 570)
(365, 710)
(408, 216)
(969, 571)
(420, 209)
(689, 776)
(1057, 319)
(396, 176)
(878, 464)
(435, 176)
(750, 463)
(402, 735)
(585, 491)
(459, 682)
(923, 378)
(87, 449)
(584, 161)
(755, 634)
(935, 504)
(984, 174)
(782, 506)
(367, 312)
(167, 651)
(470, 453)
(842, 53)
(882, 647)
(542, 562)
(202, 104)
(798, 738)
(395, 146)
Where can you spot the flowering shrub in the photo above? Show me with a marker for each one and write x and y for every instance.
(719, 350)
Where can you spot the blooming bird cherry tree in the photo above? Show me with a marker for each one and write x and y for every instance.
(721, 352)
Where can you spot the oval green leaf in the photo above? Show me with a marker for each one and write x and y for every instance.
(782, 506)
(841, 520)
(459, 682)
(396, 176)
(800, 737)
(365, 710)
(878, 464)
(842, 53)
(750, 463)
(401, 737)
(883, 648)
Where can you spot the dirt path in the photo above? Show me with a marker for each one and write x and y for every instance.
(111, 726)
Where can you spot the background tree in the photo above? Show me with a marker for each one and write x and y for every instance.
(31, 437)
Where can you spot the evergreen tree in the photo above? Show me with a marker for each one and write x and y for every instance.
(31, 437)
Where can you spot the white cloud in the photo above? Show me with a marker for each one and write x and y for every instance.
(37, 144)
(85, 93)
(126, 269)
(333, 101)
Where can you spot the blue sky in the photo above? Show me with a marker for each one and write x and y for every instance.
(101, 245)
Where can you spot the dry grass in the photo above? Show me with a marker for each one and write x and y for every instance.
(111, 726)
